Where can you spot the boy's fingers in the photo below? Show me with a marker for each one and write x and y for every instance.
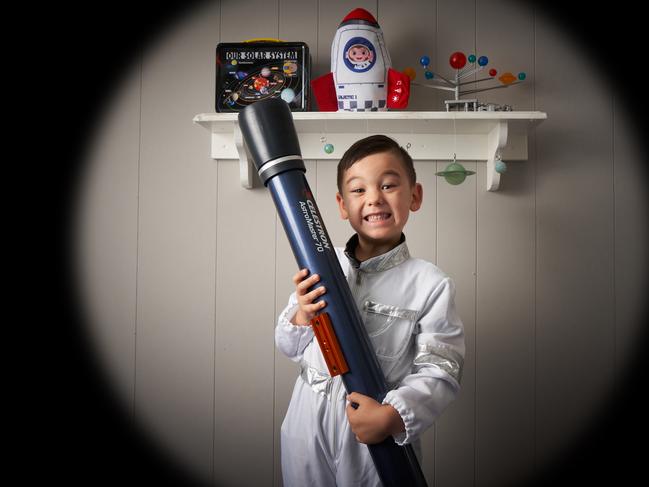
(307, 283)
(356, 397)
(299, 275)
(315, 293)
(350, 411)
(314, 308)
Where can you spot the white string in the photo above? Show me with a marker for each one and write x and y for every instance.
(454, 140)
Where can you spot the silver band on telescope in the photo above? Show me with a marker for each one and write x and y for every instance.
(274, 162)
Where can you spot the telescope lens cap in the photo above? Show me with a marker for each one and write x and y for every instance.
(268, 131)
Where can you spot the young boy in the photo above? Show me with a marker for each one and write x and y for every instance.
(408, 310)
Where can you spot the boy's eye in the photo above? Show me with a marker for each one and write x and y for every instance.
(357, 190)
(388, 186)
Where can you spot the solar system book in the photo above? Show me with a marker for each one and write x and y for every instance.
(247, 72)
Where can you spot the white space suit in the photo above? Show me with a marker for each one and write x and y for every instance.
(408, 309)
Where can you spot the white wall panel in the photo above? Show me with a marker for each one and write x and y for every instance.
(174, 381)
(575, 258)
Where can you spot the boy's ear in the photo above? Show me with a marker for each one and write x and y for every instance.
(417, 197)
(341, 207)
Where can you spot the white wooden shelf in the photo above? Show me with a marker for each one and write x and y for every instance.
(428, 136)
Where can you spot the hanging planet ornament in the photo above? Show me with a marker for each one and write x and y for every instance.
(454, 173)
(472, 58)
(500, 167)
(429, 74)
(424, 61)
(329, 148)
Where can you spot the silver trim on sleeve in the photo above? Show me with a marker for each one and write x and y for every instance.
(444, 358)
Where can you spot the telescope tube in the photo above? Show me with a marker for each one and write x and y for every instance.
(269, 133)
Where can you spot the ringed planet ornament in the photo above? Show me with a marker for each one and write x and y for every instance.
(455, 173)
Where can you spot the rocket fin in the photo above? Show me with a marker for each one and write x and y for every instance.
(324, 91)
(398, 89)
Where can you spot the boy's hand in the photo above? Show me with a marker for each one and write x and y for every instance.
(305, 299)
(371, 421)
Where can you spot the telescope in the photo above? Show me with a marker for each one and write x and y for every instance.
(269, 133)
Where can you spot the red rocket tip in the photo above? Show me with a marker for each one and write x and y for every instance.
(359, 14)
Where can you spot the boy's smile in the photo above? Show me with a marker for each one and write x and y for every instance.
(377, 199)
(378, 218)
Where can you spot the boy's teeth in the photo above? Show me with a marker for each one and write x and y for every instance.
(373, 218)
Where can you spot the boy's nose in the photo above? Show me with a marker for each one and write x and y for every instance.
(374, 198)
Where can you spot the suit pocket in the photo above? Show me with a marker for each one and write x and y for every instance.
(390, 329)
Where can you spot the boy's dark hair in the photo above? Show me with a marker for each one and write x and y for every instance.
(375, 144)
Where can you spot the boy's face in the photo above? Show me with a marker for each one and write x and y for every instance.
(377, 198)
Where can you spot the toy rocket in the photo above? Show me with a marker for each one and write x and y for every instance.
(361, 77)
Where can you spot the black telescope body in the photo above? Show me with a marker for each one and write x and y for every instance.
(269, 133)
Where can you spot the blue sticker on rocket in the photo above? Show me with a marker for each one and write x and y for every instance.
(359, 55)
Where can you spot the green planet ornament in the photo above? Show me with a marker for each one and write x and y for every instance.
(454, 173)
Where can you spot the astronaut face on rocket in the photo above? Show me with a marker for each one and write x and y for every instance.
(360, 56)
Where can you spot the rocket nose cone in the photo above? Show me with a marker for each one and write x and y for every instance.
(359, 15)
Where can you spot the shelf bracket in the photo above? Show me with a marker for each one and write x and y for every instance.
(496, 141)
(245, 163)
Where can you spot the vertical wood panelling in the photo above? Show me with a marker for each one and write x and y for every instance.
(505, 330)
(421, 229)
(410, 29)
(244, 419)
(108, 242)
(177, 237)
(631, 242)
(510, 48)
(421, 237)
(575, 314)
(505, 273)
(454, 461)
(456, 255)
(245, 308)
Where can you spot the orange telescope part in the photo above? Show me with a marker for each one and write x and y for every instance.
(333, 355)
